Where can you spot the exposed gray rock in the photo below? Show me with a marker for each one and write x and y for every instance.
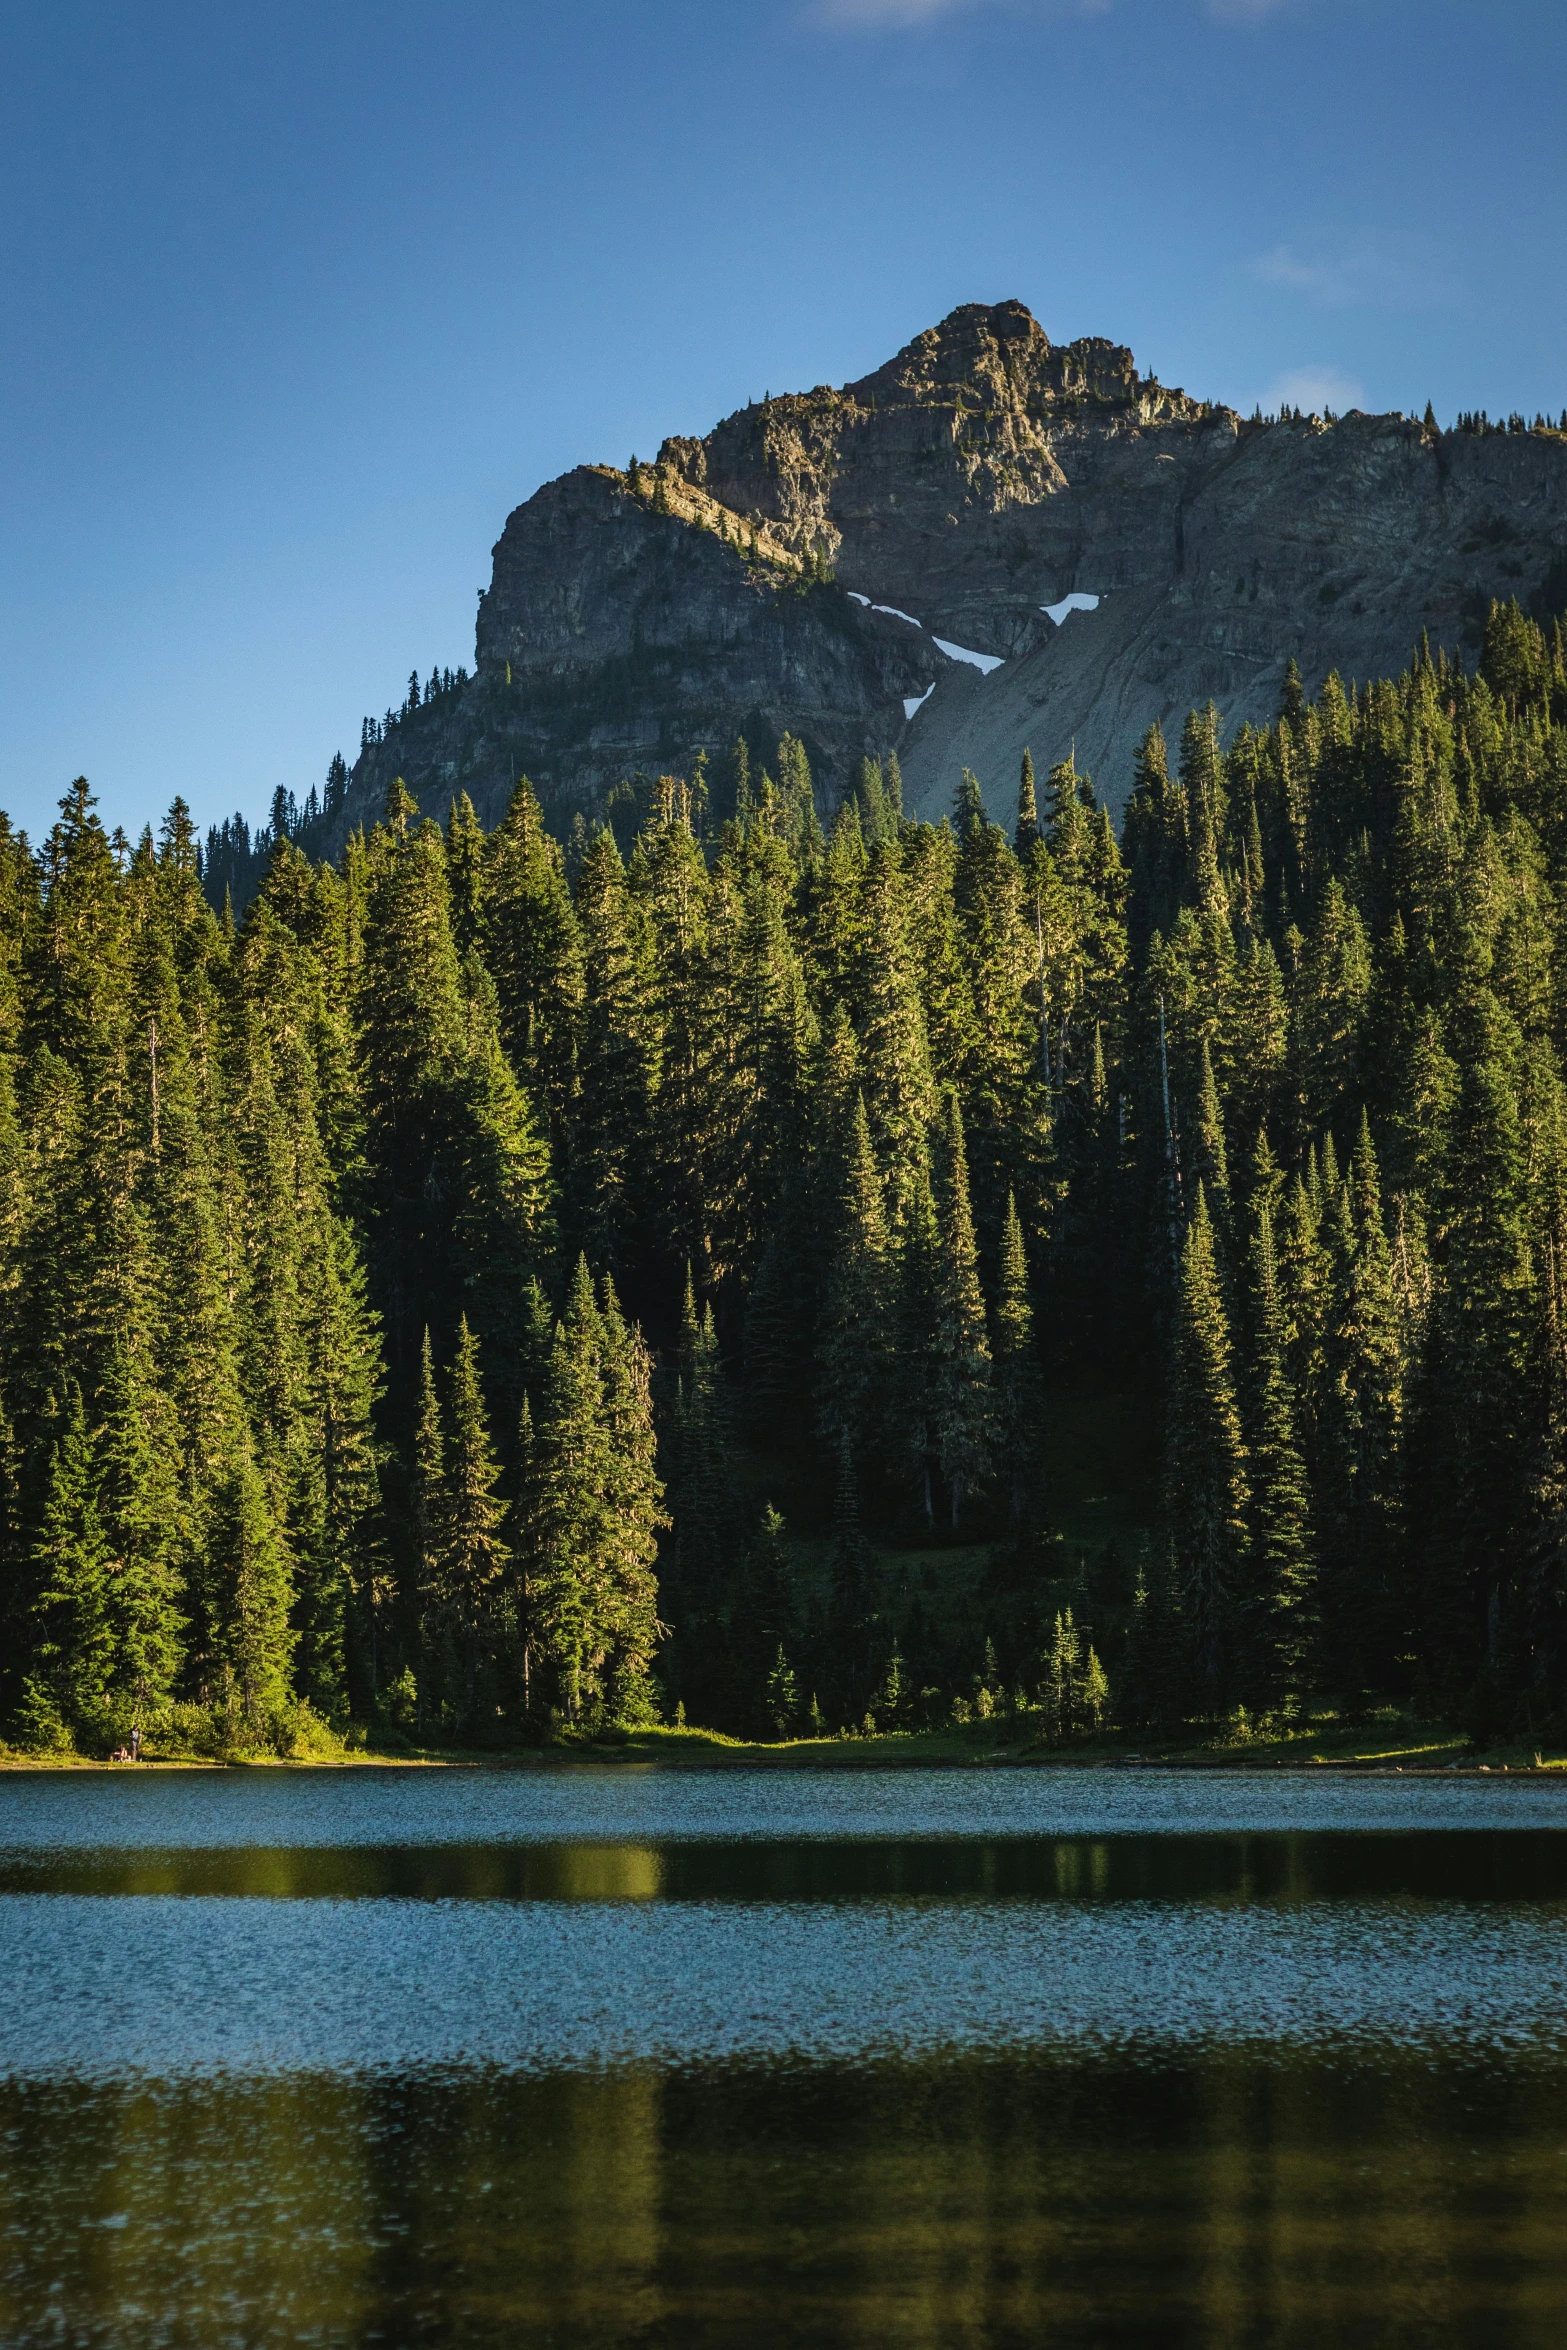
(980, 475)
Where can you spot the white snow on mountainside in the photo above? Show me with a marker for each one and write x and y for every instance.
(983, 662)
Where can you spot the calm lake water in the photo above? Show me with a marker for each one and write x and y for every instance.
(614, 2056)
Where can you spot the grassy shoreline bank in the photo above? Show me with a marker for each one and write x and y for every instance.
(1399, 1748)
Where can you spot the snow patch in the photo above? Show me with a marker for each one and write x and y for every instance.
(1075, 602)
(891, 610)
(983, 662)
(913, 703)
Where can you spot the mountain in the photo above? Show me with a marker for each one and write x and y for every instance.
(874, 568)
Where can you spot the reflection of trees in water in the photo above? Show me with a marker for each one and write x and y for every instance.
(1234, 2197)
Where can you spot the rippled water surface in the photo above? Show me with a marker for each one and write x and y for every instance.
(616, 2056)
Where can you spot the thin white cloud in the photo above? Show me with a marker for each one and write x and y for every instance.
(1314, 389)
(1245, 12)
(885, 15)
(902, 16)
(1385, 266)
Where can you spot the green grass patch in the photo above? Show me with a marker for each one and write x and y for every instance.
(1386, 1743)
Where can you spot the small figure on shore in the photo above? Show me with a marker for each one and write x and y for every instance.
(135, 1753)
(121, 1754)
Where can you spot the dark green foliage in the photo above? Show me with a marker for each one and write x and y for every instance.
(250, 1592)
(319, 1403)
(138, 1506)
(1275, 1634)
(73, 1638)
(1026, 836)
(1205, 1476)
(465, 1557)
(764, 1633)
(777, 1338)
(704, 1568)
(617, 1059)
(959, 1376)
(1018, 1413)
(588, 1519)
(854, 1346)
(847, 1665)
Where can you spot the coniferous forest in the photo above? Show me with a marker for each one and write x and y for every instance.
(498, 1285)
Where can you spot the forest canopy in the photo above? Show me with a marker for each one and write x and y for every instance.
(415, 1296)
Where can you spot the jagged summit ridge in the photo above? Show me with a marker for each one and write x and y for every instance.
(830, 562)
(977, 399)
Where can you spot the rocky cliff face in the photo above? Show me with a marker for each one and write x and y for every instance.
(833, 562)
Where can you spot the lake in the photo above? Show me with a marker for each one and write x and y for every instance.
(614, 2055)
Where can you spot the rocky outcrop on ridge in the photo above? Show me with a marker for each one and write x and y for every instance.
(870, 568)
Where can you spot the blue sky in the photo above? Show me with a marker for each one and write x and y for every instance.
(300, 300)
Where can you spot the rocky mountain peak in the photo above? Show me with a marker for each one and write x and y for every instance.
(997, 355)
(992, 540)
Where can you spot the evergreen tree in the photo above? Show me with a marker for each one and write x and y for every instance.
(500, 1179)
(851, 1609)
(465, 872)
(566, 1582)
(473, 1556)
(960, 1355)
(1154, 1682)
(1156, 838)
(1205, 1475)
(617, 1060)
(1066, 821)
(705, 1510)
(1093, 1696)
(253, 1592)
(1027, 835)
(634, 1508)
(343, 1571)
(1360, 1439)
(597, 1514)
(968, 814)
(854, 1319)
(782, 1696)
(139, 1513)
(428, 1496)
(1277, 1640)
(1210, 1160)
(1018, 1406)
(889, 1700)
(894, 1054)
(777, 1337)
(765, 1630)
(1058, 1689)
(411, 1049)
(532, 946)
(905, 1423)
(1334, 986)
(73, 1642)
(1472, 1489)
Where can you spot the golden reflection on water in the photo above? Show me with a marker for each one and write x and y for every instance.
(1082, 1871)
(606, 1872)
(487, 1872)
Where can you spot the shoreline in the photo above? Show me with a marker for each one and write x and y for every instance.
(1379, 1750)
